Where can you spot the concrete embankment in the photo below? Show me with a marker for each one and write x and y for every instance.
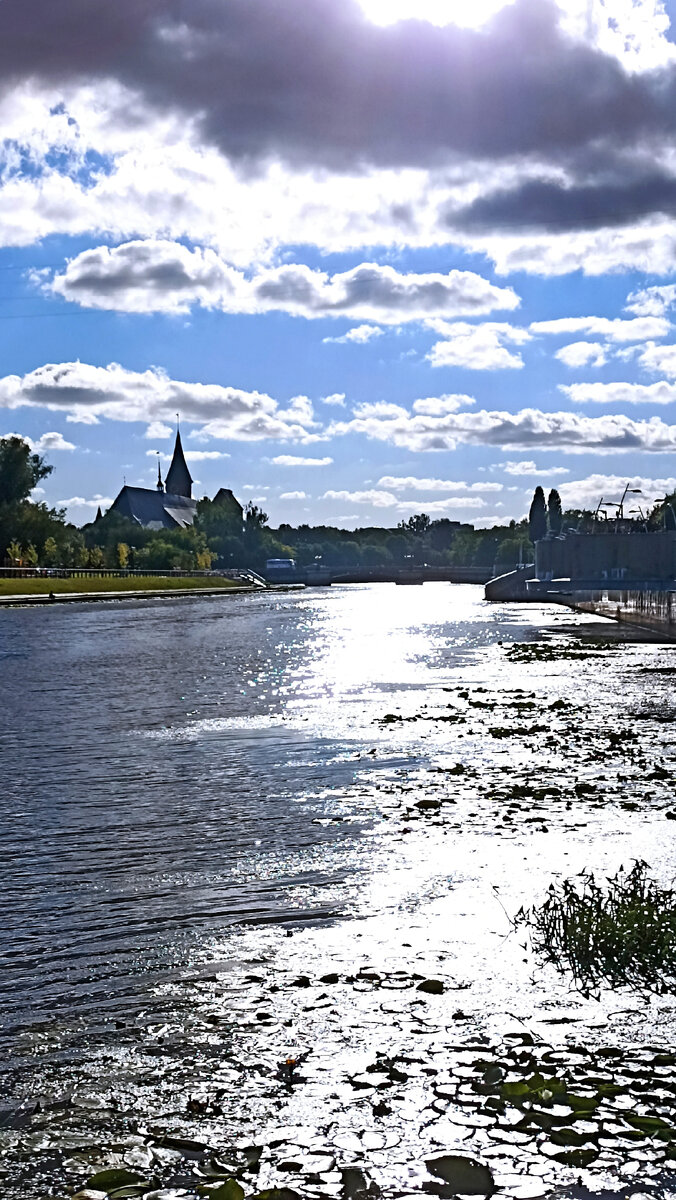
(652, 609)
(511, 586)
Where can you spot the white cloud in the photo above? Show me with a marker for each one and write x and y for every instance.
(620, 393)
(436, 508)
(374, 497)
(582, 354)
(652, 301)
(337, 398)
(80, 508)
(616, 329)
(360, 335)
(158, 430)
(659, 360)
(477, 347)
(45, 443)
(529, 468)
(293, 496)
(586, 493)
(293, 460)
(163, 276)
(437, 406)
(405, 483)
(87, 393)
(528, 428)
(193, 455)
(52, 441)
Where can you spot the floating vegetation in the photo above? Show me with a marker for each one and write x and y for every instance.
(527, 652)
(624, 934)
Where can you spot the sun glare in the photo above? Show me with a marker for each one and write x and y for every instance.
(468, 13)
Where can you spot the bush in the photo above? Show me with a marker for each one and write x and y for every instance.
(624, 933)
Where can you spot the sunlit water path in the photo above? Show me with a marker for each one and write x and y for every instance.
(186, 781)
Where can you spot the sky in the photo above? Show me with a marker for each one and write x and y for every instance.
(381, 256)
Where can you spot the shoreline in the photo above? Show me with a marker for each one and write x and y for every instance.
(145, 594)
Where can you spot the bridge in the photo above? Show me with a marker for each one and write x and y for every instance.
(319, 575)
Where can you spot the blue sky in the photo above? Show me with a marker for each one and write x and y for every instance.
(378, 265)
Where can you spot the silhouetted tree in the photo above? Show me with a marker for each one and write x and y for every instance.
(554, 512)
(20, 470)
(537, 516)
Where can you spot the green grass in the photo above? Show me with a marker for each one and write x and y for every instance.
(125, 583)
(623, 933)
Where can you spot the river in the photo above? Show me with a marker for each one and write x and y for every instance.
(241, 830)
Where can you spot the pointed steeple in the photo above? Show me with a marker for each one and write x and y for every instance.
(160, 485)
(178, 479)
(99, 514)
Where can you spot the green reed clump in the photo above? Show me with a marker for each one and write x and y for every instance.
(621, 933)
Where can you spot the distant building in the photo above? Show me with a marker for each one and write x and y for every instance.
(169, 505)
(227, 501)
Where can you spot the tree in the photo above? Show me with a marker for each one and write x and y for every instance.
(254, 517)
(554, 512)
(50, 554)
(14, 553)
(20, 470)
(537, 516)
(122, 555)
(417, 525)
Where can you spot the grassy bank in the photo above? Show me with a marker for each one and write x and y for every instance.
(124, 583)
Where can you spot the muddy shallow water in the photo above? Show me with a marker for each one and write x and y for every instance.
(239, 832)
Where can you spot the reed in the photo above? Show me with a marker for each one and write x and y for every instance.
(620, 933)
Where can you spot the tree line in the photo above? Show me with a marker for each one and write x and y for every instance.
(33, 534)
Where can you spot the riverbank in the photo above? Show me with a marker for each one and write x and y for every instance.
(60, 586)
(61, 591)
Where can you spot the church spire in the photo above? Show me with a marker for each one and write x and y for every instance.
(178, 479)
(160, 485)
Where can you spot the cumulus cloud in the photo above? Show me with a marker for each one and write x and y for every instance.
(477, 347)
(659, 360)
(194, 455)
(582, 354)
(407, 483)
(620, 393)
(46, 442)
(293, 495)
(52, 441)
(528, 428)
(616, 329)
(359, 334)
(163, 276)
(321, 105)
(337, 398)
(373, 497)
(436, 406)
(87, 393)
(528, 467)
(311, 124)
(652, 301)
(586, 493)
(80, 508)
(293, 460)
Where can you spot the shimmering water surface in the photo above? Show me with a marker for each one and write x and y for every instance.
(206, 800)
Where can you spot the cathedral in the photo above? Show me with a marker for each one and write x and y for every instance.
(169, 505)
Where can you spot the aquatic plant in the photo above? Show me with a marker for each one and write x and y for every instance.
(623, 933)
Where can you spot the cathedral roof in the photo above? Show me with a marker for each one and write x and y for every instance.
(153, 509)
(178, 479)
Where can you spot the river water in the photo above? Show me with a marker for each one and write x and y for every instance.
(241, 830)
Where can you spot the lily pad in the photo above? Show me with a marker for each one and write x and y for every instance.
(229, 1190)
(111, 1180)
(463, 1175)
